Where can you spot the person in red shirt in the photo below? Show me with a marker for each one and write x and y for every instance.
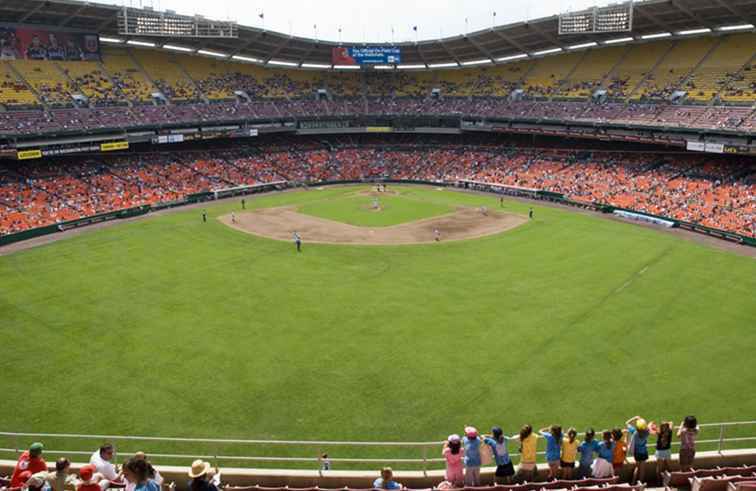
(90, 481)
(31, 460)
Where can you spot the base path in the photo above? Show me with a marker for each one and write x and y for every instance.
(281, 223)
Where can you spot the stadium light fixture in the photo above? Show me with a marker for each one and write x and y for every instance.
(173, 47)
(547, 51)
(694, 31)
(476, 62)
(738, 27)
(444, 65)
(281, 63)
(657, 35)
(246, 58)
(410, 67)
(618, 40)
(518, 56)
(346, 67)
(111, 40)
(314, 65)
(384, 67)
(216, 54)
(144, 44)
(583, 45)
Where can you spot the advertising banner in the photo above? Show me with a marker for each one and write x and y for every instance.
(29, 154)
(112, 146)
(28, 43)
(366, 56)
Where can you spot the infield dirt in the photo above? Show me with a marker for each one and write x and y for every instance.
(464, 223)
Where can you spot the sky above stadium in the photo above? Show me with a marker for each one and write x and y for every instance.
(369, 21)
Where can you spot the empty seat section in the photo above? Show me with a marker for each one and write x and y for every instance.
(591, 71)
(675, 68)
(163, 70)
(637, 63)
(721, 67)
(14, 92)
(47, 80)
(128, 78)
(550, 73)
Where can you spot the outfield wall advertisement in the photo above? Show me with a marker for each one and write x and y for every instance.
(29, 43)
(366, 56)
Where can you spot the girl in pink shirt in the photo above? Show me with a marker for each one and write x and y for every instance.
(454, 453)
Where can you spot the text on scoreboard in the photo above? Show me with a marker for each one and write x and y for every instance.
(366, 55)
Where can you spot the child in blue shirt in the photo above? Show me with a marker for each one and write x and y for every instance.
(553, 437)
(471, 442)
(587, 449)
(637, 429)
(498, 442)
(603, 468)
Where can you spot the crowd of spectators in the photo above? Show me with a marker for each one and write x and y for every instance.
(31, 122)
(710, 190)
(569, 459)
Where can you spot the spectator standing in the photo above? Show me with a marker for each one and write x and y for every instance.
(637, 428)
(553, 436)
(620, 450)
(30, 460)
(602, 467)
(528, 443)
(498, 442)
(569, 454)
(454, 455)
(472, 458)
(688, 432)
(587, 449)
(663, 448)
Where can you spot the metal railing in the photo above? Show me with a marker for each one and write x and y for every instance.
(307, 454)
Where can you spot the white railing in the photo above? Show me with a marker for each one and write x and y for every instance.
(714, 436)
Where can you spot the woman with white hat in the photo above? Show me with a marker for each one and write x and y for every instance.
(201, 474)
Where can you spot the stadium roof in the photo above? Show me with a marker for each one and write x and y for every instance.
(497, 44)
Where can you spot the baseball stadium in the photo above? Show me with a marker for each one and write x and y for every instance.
(516, 258)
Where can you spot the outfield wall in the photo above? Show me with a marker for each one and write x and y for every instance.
(363, 479)
(536, 194)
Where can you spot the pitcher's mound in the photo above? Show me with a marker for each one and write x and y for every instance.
(281, 223)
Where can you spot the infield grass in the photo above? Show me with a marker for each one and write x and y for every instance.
(170, 326)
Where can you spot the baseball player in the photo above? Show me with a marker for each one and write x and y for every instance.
(298, 241)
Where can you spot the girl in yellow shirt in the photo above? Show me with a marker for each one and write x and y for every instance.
(569, 453)
(528, 443)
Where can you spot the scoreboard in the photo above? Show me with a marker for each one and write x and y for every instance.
(146, 22)
(614, 18)
(367, 55)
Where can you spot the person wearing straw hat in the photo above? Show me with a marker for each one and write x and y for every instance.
(204, 478)
(31, 460)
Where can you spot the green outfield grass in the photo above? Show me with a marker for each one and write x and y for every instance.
(168, 326)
